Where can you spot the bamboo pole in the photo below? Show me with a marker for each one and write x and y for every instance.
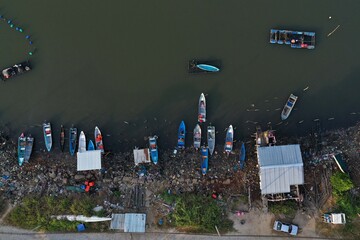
(333, 31)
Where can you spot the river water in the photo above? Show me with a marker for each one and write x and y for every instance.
(122, 65)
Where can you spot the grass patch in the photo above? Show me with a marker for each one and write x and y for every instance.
(35, 212)
(288, 208)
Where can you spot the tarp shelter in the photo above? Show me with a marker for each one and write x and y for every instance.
(141, 156)
(280, 167)
(89, 160)
(129, 222)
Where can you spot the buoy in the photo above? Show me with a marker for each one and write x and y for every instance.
(30, 53)
(11, 25)
(329, 17)
(20, 30)
(27, 37)
(30, 42)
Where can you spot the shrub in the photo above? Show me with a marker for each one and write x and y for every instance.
(288, 208)
(341, 183)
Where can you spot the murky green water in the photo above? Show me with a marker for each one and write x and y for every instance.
(106, 62)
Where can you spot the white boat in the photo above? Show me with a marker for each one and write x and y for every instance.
(197, 136)
(288, 106)
(81, 218)
(202, 109)
(211, 138)
(229, 139)
(82, 142)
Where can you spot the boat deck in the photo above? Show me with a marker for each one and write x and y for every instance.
(193, 69)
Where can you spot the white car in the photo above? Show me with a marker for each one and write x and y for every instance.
(284, 227)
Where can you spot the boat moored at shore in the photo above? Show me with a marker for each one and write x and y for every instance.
(211, 139)
(72, 140)
(98, 140)
(229, 140)
(47, 135)
(91, 146)
(181, 136)
(28, 147)
(242, 156)
(290, 103)
(197, 136)
(21, 149)
(82, 142)
(204, 160)
(202, 109)
(153, 149)
(62, 138)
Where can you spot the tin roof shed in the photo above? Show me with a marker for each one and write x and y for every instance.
(280, 167)
(89, 160)
(141, 156)
(129, 222)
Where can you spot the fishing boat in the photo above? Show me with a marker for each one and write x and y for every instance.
(72, 140)
(204, 160)
(211, 138)
(153, 149)
(202, 109)
(197, 136)
(91, 146)
(21, 149)
(229, 139)
(242, 156)
(28, 147)
(82, 142)
(62, 138)
(15, 70)
(47, 135)
(288, 106)
(207, 68)
(181, 135)
(295, 39)
(98, 140)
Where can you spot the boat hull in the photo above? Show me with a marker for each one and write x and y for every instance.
(181, 135)
(91, 146)
(204, 160)
(62, 138)
(153, 149)
(47, 136)
(98, 140)
(28, 148)
(290, 103)
(211, 139)
(295, 39)
(242, 156)
(21, 149)
(82, 142)
(72, 140)
(208, 68)
(197, 136)
(229, 139)
(202, 109)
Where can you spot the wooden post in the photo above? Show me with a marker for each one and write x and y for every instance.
(217, 230)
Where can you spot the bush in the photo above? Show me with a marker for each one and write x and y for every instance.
(288, 208)
(341, 183)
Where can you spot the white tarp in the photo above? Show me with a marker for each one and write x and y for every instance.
(89, 160)
(280, 167)
(141, 156)
(81, 218)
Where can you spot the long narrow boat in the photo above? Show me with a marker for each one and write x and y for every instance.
(181, 135)
(211, 139)
(202, 109)
(98, 140)
(229, 139)
(207, 68)
(21, 149)
(288, 106)
(82, 142)
(197, 136)
(72, 140)
(153, 149)
(242, 156)
(62, 138)
(91, 146)
(47, 135)
(204, 160)
(28, 147)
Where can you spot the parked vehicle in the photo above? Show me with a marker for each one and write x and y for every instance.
(334, 218)
(286, 227)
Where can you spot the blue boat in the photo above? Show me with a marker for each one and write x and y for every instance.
(153, 149)
(181, 135)
(91, 146)
(21, 149)
(207, 68)
(295, 39)
(204, 160)
(242, 156)
(73, 140)
(229, 140)
(47, 135)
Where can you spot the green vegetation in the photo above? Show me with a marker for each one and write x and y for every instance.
(194, 213)
(341, 183)
(35, 212)
(288, 208)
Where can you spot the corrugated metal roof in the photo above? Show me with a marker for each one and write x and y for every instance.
(117, 221)
(89, 160)
(134, 222)
(280, 167)
(141, 156)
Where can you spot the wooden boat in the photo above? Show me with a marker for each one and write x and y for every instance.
(197, 136)
(288, 106)
(242, 156)
(153, 149)
(72, 140)
(62, 138)
(211, 138)
(91, 146)
(207, 68)
(15, 70)
(28, 147)
(181, 135)
(47, 135)
(204, 160)
(98, 140)
(229, 139)
(295, 39)
(21, 149)
(202, 109)
(82, 142)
